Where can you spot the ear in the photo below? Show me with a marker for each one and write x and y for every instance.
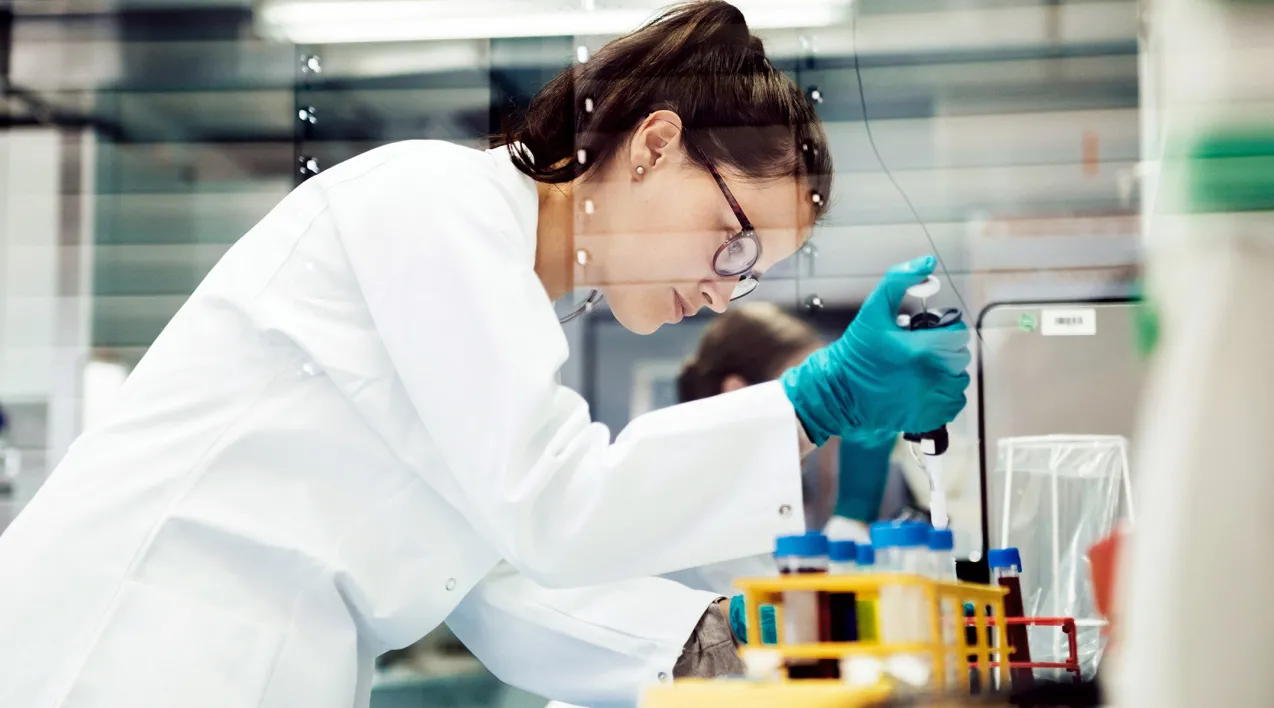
(656, 142)
(733, 382)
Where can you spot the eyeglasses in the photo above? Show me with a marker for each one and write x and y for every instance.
(738, 255)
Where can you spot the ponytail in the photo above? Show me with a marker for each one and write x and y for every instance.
(698, 59)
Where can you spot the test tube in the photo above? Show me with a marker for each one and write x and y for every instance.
(842, 558)
(942, 554)
(942, 568)
(806, 616)
(866, 609)
(1006, 568)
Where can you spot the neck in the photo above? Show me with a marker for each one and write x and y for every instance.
(554, 239)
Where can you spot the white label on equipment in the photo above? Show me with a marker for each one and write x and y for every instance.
(1069, 323)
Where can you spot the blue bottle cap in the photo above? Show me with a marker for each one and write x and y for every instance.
(917, 533)
(1004, 558)
(804, 546)
(904, 535)
(842, 551)
(866, 555)
(941, 540)
(818, 543)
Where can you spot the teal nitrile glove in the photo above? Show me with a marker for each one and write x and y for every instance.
(879, 376)
(863, 472)
(739, 621)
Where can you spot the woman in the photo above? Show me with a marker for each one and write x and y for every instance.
(356, 415)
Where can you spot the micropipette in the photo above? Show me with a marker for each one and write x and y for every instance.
(933, 443)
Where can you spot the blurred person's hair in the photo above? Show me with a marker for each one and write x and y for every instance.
(699, 60)
(754, 341)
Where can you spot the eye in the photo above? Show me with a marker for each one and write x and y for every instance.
(735, 248)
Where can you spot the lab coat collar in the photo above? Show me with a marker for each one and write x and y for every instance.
(523, 193)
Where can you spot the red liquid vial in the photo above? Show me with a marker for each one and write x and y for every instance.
(1006, 567)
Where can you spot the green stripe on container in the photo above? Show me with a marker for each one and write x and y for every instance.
(1145, 321)
(1231, 170)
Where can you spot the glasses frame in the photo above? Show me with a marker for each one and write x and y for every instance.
(747, 231)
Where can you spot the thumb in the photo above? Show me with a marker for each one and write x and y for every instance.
(883, 303)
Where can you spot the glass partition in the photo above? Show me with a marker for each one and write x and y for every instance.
(141, 141)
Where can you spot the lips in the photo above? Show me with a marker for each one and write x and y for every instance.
(678, 307)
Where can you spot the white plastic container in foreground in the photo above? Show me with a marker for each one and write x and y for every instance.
(942, 567)
(902, 616)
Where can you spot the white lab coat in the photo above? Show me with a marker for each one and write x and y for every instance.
(349, 424)
(597, 646)
(620, 637)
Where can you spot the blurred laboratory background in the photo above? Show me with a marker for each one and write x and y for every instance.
(140, 138)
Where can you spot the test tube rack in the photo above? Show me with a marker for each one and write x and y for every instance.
(981, 655)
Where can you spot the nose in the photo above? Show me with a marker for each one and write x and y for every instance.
(716, 294)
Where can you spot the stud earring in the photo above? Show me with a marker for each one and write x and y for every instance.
(582, 257)
(640, 170)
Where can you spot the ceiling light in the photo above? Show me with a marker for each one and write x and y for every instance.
(341, 21)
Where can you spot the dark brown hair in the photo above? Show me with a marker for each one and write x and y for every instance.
(699, 60)
(753, 341)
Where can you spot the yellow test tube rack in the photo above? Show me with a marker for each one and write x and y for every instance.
(817, 693)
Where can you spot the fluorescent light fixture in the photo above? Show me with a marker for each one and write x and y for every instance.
(341, 21)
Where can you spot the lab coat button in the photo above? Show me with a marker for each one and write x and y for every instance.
(663, 676)
(309, 368)
(785, 510)
(451, 583)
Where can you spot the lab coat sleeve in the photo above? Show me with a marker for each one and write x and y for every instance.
(444, 262)
(596, 646)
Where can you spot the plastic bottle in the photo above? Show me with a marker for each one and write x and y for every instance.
(1006, 568)
(843, 614)
(942, 568)
(806, 616)
(942, 554)
(866, 609)
(902, 615)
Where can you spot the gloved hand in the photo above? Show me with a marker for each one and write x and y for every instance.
(862, 473)
(739, 621)
(879, 376)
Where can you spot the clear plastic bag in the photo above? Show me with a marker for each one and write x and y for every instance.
(1053, 497)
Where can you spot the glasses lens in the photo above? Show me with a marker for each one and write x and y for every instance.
(737, 256)
(745, 286)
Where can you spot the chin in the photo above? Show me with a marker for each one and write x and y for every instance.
(636, 323)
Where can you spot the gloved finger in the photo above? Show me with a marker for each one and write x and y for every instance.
(956, 334)
(951, 411)
(953, 362)
(941, 411)
(769, 626)
(945, 340)
(950, 384)
(882, 305)
(944, 357)
(738, 618)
